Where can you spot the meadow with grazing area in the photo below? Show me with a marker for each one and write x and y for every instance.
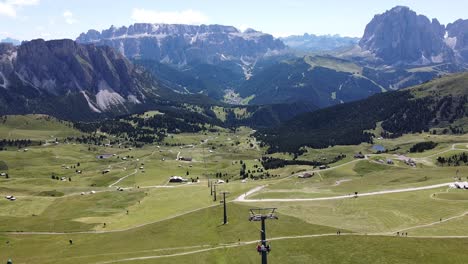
(113, 203)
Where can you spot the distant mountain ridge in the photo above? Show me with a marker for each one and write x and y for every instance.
(11, 41)
(214, 58)
(399, 48)
(184, 44)
(319, 43)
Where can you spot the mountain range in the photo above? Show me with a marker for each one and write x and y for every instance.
(11, 41)
(399, 48)
(316, 43)
(121, 70)
(66, 79)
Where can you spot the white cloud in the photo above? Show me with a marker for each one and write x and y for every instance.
(10, 7)
(176, 17)
(69, 19)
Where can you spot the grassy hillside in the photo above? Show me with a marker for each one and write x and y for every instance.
(35, 127)
(439, 105)
(322, 81)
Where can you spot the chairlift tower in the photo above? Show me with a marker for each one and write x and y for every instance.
(224, 208)
(214, 192)
(261, 214)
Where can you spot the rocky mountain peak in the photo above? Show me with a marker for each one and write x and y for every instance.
(400, 36)
(95, 79)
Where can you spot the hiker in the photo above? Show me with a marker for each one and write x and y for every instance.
(262, 248)
(104, 225)
(398, 233)
(268, 249)
(71, 242)
(259, 248)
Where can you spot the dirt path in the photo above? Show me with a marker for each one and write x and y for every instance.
(242, 198)
(123, 178)
(253, 242)
(221, 246)
(437, 222)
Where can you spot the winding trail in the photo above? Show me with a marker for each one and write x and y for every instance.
(221, 246)
(436, 223)
(232, 245)
(123, 178)
(242, 198)
(136, 170)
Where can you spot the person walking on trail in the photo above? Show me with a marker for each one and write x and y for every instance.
(71, 242)
(259, 249)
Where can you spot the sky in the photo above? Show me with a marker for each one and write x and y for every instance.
(55, 19)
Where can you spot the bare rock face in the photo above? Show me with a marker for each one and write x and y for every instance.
(184, 44)
(400, 36)
(61, 75)
(457, 38)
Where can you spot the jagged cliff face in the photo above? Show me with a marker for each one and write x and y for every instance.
(96, 79)
(400, 36)
(457, 38)
(185, 44)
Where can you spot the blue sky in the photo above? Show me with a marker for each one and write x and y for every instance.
(50, 19)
